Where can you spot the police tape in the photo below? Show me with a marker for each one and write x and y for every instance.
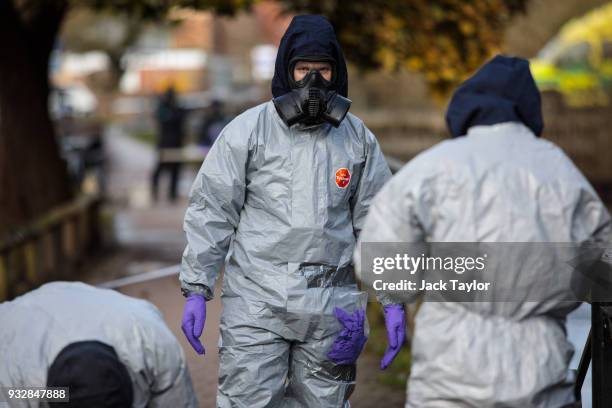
(141, 277)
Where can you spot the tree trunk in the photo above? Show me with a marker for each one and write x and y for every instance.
(33, 177)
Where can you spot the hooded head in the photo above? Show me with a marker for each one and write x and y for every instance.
(94, 374)
(308, 36)
(502, 90)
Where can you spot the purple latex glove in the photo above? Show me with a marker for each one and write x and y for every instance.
(352, 338)
(395, 322)
(194, 317)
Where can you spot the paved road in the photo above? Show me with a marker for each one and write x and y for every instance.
(147, 235)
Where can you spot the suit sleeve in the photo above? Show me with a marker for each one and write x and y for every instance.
(213, 214)
(374, 175)
(592, 219)
(394, 217)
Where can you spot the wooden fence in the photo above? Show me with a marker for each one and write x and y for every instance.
(50, 248)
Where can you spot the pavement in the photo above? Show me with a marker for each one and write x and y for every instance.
(149, 237)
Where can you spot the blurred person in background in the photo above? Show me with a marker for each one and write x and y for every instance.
(495, 181)
(213, 123)
(284, 191)
(111, 350)
(170, 118)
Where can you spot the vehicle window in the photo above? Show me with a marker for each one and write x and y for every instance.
(606, 50)
(550, 50)
(576, 55)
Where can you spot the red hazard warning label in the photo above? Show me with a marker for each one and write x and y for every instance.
(343, 177)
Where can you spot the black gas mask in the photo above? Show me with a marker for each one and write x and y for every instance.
(312, 101)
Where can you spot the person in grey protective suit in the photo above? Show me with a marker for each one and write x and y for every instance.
(495, 181)
(109, 349)
(284, 191)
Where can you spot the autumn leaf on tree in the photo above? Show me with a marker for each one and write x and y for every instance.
(445, 40)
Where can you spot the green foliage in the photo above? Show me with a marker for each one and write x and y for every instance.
(443, 39)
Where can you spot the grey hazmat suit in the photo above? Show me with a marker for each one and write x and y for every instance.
(286, 206)
(497, 183)
(41, 323)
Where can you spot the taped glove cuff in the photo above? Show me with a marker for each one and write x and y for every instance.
(188, 289)
(393, 306)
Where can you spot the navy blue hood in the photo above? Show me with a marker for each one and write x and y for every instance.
(502, 90)
(308, 36)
